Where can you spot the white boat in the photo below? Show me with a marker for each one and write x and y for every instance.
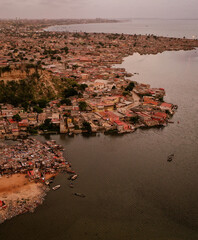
(56, 187)
(74, 177)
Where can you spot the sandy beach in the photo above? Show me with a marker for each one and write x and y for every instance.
(18, 186)
(20, 195)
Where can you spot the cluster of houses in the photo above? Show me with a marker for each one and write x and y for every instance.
(108, 110)
(33, 158)
(80, 55)
(86, 58)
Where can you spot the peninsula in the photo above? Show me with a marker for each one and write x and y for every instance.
(67, 83)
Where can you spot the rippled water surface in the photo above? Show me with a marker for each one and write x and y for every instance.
(132, 192)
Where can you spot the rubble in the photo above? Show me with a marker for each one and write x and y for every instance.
(32, 157)
(33, 162)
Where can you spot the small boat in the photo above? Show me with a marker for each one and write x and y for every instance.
(74, 177)
(79, 195)
(170, 157)
(170, 122)
(56, 187)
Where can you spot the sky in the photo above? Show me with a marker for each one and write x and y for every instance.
(99, 9)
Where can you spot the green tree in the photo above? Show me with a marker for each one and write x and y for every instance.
(49, 126)
(130, 86)
(82, 106)
(16, 118)
(82, 87)
(42, 103)
(87, 126)
(37, 109)
(134, 119)
(69, 92)
(65, 49)
(32, 130)
(66, 101)
(125, 93)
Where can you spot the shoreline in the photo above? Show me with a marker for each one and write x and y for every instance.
(70, 28)
(21, 196)
(14, 137)
(24, 183)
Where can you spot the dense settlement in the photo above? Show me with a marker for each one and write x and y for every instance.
(66, 82)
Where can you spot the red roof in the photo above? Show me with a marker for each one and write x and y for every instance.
(31, 173)
(23, 124)
(12, 121)
(150, 101)
(120, 123)
(109, 115)
(160, 114)
(169, 105)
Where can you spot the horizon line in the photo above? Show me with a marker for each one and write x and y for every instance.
(104, 18)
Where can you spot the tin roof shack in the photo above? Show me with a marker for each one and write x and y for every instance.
(34, 174)
(2, 205)
(32, 157)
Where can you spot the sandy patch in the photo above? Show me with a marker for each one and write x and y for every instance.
(20, 195)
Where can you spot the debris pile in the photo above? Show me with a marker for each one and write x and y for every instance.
(32, 157)
(33, 162)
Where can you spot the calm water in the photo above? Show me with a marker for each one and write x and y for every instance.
(160, 27)
(132, 191)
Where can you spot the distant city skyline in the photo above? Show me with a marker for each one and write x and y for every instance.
(38, 9)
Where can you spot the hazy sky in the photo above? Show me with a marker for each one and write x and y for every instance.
(99, 8)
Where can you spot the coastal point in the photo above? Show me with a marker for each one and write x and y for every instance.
(67, 83)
